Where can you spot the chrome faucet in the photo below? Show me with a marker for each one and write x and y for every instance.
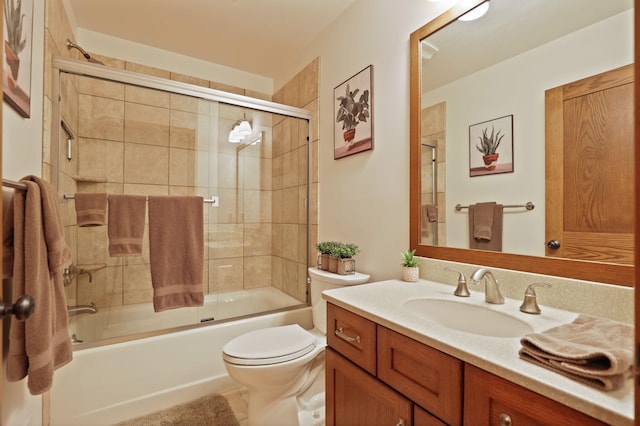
(68, 274)
(82, 309)
(491, 291)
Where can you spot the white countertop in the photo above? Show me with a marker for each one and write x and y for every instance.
(382, 303)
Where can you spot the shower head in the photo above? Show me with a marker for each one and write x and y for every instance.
(88, 57)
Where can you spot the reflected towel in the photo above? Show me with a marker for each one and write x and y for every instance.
(595, 351)
(91, 209)
(35, 254)
(126, 224)
(176, 247)
(485, 226)
(428, 215)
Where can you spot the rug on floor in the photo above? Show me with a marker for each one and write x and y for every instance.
(208, 410)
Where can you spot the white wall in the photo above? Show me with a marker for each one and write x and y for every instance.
(516, 86)
(21, 156)
(364, 198)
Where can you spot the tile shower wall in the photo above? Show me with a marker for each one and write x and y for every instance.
(141, 141)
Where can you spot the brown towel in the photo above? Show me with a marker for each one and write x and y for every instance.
(430, 212)
(91, 209)
(595, 351)
(126, 224)
(176, 247)
(35, 254)
(485, 226)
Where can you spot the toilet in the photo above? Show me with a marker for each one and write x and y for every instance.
(283, 367)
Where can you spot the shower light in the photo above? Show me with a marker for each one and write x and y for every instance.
(240, 132)
(476, 13)
(244, 129)
(234, 136)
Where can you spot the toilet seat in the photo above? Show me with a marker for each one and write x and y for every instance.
(271, 345)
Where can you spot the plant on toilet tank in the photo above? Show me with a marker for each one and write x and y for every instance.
(337, 257)
(410, 268)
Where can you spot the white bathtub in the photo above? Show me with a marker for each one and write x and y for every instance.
(132, 319)
(107, 384)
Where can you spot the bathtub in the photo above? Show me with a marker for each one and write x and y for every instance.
(140, 318)
(107, 384)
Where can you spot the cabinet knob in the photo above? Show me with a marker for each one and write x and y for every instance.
(505, 420)
(553, 244)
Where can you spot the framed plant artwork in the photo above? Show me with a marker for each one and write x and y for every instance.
(491, 147)
(353, 112)
(17, 36)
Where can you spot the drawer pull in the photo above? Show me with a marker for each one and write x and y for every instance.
(505, 420)
(400, 422)
(340, 333)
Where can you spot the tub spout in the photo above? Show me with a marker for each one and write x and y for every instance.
(82, 309)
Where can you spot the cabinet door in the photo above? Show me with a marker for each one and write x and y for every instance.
(355, 398)
(491, 400)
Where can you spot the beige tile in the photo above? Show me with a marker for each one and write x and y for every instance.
(257, 271)
(278, 135)
(182, 167)
(93, 246)
(101, 159)
(227, 171)
(226, 88)
(146, 164)
(226, 274)
(257, 173)
(290, 95)
(301, 284)
(137, 286)
(276, 239)
(146, 124)
(183, 130)
(303, 171)
(231, 206)
(315, 121)
(290, 169)
(302, 209)
(225, 241)
(103, 88)
(276, 272)
(277, 168)
(308, 83)
(257, 239)
(141, 189)
(105, 290)
(101, 118)
(257, 206)
(69, 106)
(290, 242)
(145, 96)
(302, 244)
(189, 79)
(290, 277)
(314, 161)
(184, 103)
(313, 204)
(290, 205)
(144, 69)
(276, 206)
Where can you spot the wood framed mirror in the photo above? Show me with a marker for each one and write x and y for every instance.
(599, 271)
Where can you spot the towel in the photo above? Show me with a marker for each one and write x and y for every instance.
(34, 255)
(91, 209)
(126, 224)
(595, 351)
(485, 226)
(428, 215)
(176, 248)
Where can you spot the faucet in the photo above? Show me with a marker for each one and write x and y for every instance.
(82, 309)
(68, 274)
(491, 291)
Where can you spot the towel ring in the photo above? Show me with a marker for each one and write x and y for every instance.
(22, 309)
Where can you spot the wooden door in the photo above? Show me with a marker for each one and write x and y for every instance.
(355, 398)
(590, 168)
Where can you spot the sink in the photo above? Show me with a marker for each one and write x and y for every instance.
(468, 318)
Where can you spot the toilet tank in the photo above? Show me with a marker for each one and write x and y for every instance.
(324, 280)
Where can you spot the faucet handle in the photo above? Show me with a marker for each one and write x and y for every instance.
(461, 290)
(530, 303)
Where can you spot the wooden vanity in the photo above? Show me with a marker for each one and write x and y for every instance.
(378, 375)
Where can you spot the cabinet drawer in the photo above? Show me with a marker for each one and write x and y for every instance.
(353, 336)
(492, 400)
(425, 375)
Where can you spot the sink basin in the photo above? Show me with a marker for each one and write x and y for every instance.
(468, 318)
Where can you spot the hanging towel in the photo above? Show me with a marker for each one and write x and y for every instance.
(91, 209)
(428, 215)
(126, 224)
(485, 226)
(34, 255)
(595, 351)
(176, 248)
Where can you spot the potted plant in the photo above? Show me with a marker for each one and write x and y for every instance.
(351, 112)
(13, 18)
(488, 146)
(337, 257)
(410, 270)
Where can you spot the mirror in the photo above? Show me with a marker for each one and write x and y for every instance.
(462, 85)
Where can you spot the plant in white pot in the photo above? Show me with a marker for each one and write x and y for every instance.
(410, 268)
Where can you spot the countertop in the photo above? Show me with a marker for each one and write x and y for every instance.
(382, 303)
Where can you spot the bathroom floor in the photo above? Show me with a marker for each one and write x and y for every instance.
(238, 400)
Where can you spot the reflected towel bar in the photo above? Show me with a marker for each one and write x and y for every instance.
(529, 206)
(13, 184)
(213, 200)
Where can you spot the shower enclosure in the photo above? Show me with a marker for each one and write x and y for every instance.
(132, 133)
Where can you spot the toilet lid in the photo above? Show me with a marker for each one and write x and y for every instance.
(269, 345)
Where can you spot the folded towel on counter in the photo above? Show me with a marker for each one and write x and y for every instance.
(91, 209)
(126, 224)
(485, 226)
(595, 351)
(176, 248)
(34, 255)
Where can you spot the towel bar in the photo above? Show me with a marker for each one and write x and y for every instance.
(15, 185)
(212, 200)
(529, 206)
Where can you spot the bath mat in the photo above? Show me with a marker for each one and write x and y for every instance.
(208, 410)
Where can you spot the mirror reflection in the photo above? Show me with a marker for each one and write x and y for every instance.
(489, 86)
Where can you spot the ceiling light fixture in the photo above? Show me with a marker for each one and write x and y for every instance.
(240, 132)
(476, 13)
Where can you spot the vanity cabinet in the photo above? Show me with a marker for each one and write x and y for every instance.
(376, 376)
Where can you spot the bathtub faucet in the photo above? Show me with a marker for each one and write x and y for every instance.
(82, 309)
(68, 274)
